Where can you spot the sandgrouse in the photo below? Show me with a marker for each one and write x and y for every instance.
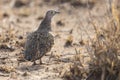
(41, 41)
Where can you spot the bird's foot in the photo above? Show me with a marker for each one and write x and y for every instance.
(41, 63)
(34, 63)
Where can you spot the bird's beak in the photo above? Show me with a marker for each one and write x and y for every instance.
(57, 12)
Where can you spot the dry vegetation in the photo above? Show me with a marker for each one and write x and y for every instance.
(103, 51)
(102, 61)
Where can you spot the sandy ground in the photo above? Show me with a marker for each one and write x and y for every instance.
(72, 23)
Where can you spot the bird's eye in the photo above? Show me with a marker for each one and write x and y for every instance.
(52, 12)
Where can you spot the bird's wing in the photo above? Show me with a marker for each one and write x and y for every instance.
(45, 44)
(31, 46)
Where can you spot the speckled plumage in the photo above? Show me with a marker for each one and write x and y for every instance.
(41, 41)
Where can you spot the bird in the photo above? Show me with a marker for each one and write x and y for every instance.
(39, 42)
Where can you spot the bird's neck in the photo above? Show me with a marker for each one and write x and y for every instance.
(45, 25)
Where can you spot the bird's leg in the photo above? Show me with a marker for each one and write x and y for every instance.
(50, 56)
(41, 61)
(34, 63)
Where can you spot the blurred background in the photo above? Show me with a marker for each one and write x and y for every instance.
(74, 29)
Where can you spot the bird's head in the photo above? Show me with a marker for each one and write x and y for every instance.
(46, 23)
(51, 13)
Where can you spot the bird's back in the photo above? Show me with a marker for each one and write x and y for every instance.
(38, 44)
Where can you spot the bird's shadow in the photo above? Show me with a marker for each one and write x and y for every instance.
(31, 67)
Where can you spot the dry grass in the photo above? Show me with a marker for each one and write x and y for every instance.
(7, 69)
(105, 56)
(104, 53)
(9, 40)
(77, 69)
